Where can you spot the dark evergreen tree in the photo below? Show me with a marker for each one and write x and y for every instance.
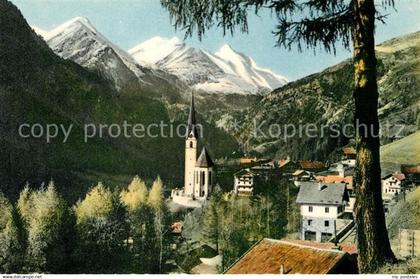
(212, 219)
(12, 238)
(323, 23)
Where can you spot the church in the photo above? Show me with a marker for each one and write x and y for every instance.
(198, 173)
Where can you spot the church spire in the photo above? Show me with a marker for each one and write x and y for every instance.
(192, 125)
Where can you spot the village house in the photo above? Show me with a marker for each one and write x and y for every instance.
(321, 204)
(300, 176)
(349, 156)
(392, 185)
(244, 182)
(338, 173)
(271, 256)
(247, 180)
(412, 174)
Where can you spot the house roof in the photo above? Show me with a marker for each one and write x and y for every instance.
(336, 179)
(243, 172)
(269, 256)
(330, 193)
(204, 160)
(247, 160)
(345, 247)
(283, 162)
(398, 176)
(298, 172)
(176, 228)
(310, 164)
(349, 150)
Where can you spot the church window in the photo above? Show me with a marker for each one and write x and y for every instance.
(203, 178)
(210, 177)
(191, 144)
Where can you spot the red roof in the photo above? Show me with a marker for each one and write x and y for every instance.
(399, 176)
(271, 256)
(176, 227)
(311, 164)
(345, 247)
(336, 179)
(283, 162)
(349, 150)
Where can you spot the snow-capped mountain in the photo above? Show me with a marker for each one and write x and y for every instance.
(78, 40)
(160, 61)
(226, 71)
(155, 49)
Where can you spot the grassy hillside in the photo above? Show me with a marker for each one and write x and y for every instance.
(403, 151)
(405, 214)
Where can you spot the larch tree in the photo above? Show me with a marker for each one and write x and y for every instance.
(321, 23)
(156, 202)
(136, 194)
(50, 226)
(102, 231)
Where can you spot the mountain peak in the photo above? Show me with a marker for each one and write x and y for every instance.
(226, 48)
(71, 24)
(154, 49)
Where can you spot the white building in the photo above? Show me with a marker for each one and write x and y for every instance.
(392, 185)
(244, 182)
(321, 204)
(198, 173)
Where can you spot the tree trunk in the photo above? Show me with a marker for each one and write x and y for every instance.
(372, 237)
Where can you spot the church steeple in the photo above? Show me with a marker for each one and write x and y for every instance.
(192, 125)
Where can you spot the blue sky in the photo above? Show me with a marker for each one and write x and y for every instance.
(129, 22)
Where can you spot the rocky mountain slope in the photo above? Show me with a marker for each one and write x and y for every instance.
(79, 41)
(226, 71)
(325, 98)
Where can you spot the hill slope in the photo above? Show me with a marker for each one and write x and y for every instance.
(325, 98)
(403, 151)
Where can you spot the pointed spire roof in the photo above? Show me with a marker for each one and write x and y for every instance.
(204, 160)
(192, 125)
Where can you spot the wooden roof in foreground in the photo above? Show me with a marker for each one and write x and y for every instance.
(269, 255)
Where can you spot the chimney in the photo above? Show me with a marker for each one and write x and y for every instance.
(281, 269)
(319, 185)
(340, 169)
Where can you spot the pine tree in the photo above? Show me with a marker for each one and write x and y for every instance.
(12, 238)
(212, 219)
(102, 232)
(322, 23)
(50, 226)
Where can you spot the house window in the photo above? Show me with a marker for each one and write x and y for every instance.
(311, 209)
(327, 223)
(309, 222)
(327, 210)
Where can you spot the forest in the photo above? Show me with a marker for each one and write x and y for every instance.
(129, 231)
